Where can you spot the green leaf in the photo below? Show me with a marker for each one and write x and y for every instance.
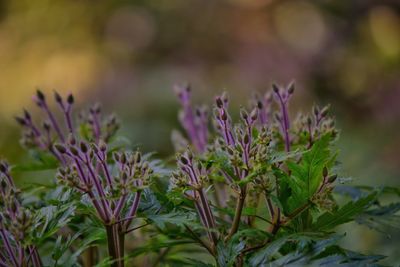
(271, 251)
(227, 253)
(329, 220)
(178, 218)
(41, 161)
(382, 219)
(50, 219)
(306, 176)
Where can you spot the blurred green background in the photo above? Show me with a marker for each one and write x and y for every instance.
(128, 55)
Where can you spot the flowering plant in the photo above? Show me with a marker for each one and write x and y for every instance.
(259, 190)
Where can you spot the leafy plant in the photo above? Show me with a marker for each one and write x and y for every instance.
(260, 191)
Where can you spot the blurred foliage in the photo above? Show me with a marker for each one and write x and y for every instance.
(128, 54)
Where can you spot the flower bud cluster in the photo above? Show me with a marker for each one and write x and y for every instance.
(89, 172)
(264, 106)
(192, 177)
(194, 120)
(54, 129)
(16, 222)
(237, 142)
(315, 125)
(282, 97)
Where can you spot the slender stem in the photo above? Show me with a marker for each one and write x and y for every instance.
(285, 123)
(296, 213)
(112, 252)
(208, 215)
(121, 239)
(120, 205)
(133, 210)
(201, 241)
(203, 219)
(9, 249)
(238, 212)
(37, 261)
(53, 121)
(100, 190)
(68, 119)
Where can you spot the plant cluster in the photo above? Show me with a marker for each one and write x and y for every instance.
(257, 190)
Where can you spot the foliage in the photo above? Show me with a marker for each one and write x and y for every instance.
(259, 192)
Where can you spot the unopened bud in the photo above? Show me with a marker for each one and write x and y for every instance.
(21, 121)
(332, 178)
(275, 88)
(309, 121)
(83, 147)
(260, 105)
(224, 116)
(184, 160)
(254, 114)
(74, 150)
(246, 139)
(57, 97)
(40, 95)
(325, 172)
(27, 115)
(46, 126)
(70, 99)
(219, 102)
(102, 146)
(60, 148)
(122, 158)
(138, 157)
(116, 156)
(243, 114)
(71, 140)
(324, 111)
(291, 88)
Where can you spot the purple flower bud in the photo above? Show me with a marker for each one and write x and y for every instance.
(71, 140)
(60, 148)
(46, 126)
(70, 99)
(219, 102)
(116, 156)
(27, 115)
(275, 88)
(243, 114)
(122, 158)
(58, 98)
(291, 88)
(40, 95)
(259, 105)
(184, 160)
(254, 114)
(246, 139)
(21, 121)
(74, 151)
(102, 146)
(83, 147)
(3, 167)
(3, 185)
(223, 116)
(324, 111)
(138, 157)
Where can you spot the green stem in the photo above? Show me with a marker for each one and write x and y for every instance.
(114, 246)
(238, 212)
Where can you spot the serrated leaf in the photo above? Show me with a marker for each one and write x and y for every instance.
(329, 220)
(306, 176)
